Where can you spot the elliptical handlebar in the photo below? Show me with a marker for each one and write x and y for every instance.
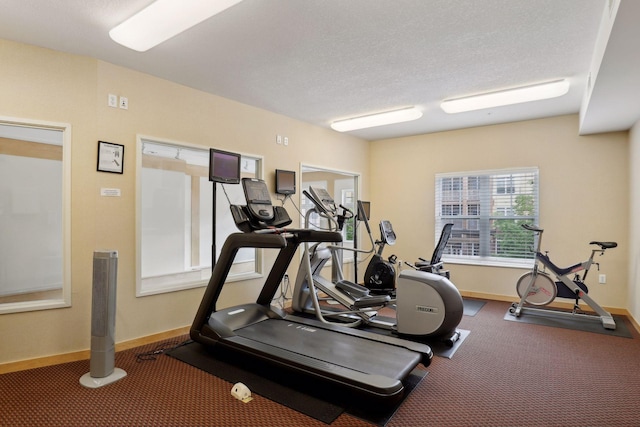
(346, 214)
(325, 206)
(366, 224)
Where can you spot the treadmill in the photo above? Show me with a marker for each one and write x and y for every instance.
(265, 336)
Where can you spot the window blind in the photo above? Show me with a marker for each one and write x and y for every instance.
(487, 209)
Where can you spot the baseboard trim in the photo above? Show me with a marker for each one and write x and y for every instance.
(57, 359)
(126, 345)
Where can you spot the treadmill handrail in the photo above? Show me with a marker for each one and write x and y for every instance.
(287, 243)
(231, 246)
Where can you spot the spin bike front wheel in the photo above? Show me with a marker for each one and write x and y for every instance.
(542, 290)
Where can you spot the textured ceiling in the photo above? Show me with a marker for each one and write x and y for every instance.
(323, 60)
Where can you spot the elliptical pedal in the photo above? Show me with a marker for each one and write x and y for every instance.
(352, 289)
(371, 301)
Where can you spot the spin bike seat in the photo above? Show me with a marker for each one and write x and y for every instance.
(604, 245)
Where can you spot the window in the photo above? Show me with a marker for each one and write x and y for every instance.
(487, 209)
(34, 216)
(349, 202)
(175, 209)
(504, 184)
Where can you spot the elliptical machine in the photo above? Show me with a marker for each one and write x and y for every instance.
(428, 306)
(380, 275)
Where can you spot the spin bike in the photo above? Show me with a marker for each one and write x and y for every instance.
(428, 306)
(536, 287)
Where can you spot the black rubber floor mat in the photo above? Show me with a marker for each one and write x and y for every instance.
(321, 408)
(547, 317)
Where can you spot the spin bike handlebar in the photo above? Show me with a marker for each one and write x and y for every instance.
(603, 245)
(532, 227)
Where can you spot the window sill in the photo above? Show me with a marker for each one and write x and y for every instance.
(19, 307)
(166, 284)
(489, 262)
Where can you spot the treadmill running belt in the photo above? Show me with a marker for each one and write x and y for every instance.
(360, 355)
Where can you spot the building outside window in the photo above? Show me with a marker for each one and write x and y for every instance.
(487, 209)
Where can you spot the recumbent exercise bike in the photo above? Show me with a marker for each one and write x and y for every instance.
(380, 275)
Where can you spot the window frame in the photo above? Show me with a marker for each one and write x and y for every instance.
(464, 251)
(65, 300)
(198, 277)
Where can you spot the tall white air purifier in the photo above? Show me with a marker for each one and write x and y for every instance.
(102, 370)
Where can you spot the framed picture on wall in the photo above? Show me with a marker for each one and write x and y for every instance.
(110, 157)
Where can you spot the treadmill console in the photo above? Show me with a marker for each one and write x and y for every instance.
(259, 213)
(258, 198)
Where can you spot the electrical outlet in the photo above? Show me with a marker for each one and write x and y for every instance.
(113, 101)
(286, 140)
(124, 103)
(602, 279)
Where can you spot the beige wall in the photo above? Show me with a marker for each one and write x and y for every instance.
(49, 86)
(584, 186)
(44, 85)
(584, 194)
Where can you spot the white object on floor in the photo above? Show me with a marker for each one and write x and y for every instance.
(241, 392)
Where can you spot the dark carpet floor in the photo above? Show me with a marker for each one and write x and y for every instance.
(505, 374)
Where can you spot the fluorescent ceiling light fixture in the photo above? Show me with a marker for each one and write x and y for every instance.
(164, 19)
(380, 119)
(500, 98)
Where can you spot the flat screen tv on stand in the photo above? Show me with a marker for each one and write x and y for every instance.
(224, 167)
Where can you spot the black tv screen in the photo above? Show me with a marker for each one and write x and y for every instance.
(285, 182)
(224, 166)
